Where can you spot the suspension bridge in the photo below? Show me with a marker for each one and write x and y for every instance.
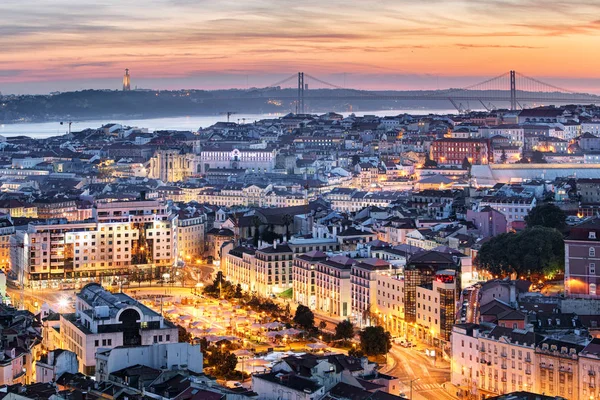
(512, 88)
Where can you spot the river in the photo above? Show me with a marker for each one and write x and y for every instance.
(47, 129)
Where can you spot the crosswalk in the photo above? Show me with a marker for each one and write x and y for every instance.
(426, 386)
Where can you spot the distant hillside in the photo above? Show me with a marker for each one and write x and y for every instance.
(96, 104)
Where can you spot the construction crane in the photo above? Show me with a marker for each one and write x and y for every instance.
(228, 113)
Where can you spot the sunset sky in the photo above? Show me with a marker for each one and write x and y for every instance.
(48, 45)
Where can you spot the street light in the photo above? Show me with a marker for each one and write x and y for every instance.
(411, 387)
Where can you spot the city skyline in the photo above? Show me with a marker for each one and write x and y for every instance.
(384, 45)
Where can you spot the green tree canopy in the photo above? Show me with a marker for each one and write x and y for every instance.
(466, 164)
(304, 317)
(536, 250)
(547, 215)
(374, 341)
(344, 330)
(429, 163)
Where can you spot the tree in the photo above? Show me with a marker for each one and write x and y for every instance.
(537, 157)
(536, 250)
(353, 352)
(222, 361)
(269, 236)
(183, 335)
(287, 220)
(503, 157)
(238, 292)
(304, 317)
(374, 341)
(547, 215)
(322, 325)
(256, 222)
(429, 163)
(466, 164)
(344, 330)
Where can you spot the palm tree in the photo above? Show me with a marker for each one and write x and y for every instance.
(287, 220)
(256, 222)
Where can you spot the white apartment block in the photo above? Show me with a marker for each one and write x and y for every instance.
(264, 271)
(515, 133)
(464, 368)
(592, 127)
(103, 320)
(514, 208)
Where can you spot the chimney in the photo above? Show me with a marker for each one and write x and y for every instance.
(274, 243)
(51, 358)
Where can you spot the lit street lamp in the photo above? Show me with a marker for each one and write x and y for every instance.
(411, 387)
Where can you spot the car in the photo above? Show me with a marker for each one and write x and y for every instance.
(406, 344)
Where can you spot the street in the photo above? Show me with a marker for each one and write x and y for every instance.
(411, 363)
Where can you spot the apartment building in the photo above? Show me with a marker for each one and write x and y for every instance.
(514, 208)
(139, 233)
(266, 271)
(589, 370)
(506, 359)
(352, 200)
(390, 300)
(240, 267)
(105, 320)
(333, 289)
(363, 278)
(190, 235)
(453, 151)
(7, 230)
(557, 368)
(436, 305)
(303, 273)
(582, 255)
(464, 367)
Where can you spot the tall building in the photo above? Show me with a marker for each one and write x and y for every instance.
(121, 234)
(126, 81)
(582, 254)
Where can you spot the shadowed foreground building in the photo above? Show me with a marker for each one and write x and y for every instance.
(105, 320)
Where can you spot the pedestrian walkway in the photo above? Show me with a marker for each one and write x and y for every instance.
(426, 386)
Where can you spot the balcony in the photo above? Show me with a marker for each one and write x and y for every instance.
(504, 355)
(503, 366)
(591, 372)
(564, 368)
(528, 360)
(503, 379)
(482, 349)
(547, 366)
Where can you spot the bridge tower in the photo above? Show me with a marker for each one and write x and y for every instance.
(300, 105)
(513, 91)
